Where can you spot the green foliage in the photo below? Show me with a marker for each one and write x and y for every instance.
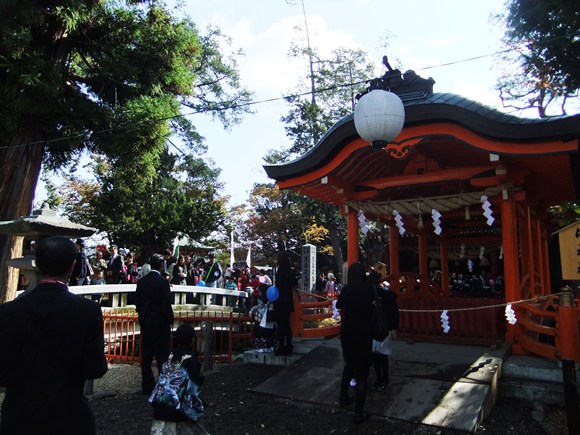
(565, 213)
(545, 40)
(334, 84)
(110, 77)
(146, 212)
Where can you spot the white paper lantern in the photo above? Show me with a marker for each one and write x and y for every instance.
(379, 117)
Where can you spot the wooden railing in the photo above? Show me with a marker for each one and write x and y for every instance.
(420, 320)
(309, 310)
(540, 329)
(231, 332)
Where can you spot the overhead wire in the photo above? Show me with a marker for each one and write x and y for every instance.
(257, 102)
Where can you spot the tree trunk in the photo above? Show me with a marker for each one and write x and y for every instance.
(20, 166)
(337, 251)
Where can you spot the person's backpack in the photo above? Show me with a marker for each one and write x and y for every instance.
(380, 324)
(175, 392)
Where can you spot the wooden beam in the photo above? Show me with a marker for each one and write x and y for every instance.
(454, 174)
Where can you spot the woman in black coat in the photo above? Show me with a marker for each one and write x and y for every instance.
(356, 302)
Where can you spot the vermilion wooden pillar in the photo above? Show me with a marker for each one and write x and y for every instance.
(423, 260)
(352, 238)
(510, 257)
(444, 267)
(530, 251)
(394, 266)
(545, 262)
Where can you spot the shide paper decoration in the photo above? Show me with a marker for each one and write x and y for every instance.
(445, 322)
(436, 216)
(335, 311)
(486, 205)
(363, 222)
(399, 222)
(510, 314)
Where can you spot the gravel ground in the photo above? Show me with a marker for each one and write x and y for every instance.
(121, 409)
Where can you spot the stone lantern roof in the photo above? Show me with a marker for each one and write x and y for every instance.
(42, 223)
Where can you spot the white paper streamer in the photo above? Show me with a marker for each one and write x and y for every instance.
(436, 216)
(510, 314)
(445, 322)
(335, 312)
(399, 222)
(362, 220)
(486, 205)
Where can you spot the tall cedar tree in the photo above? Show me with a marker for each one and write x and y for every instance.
(103, 76)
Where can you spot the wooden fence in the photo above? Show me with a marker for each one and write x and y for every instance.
(231, 332)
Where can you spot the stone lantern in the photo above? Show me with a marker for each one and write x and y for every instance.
(41, 223)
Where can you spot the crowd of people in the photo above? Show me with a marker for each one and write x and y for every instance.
(471, 285)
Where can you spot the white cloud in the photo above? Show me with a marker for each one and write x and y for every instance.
(443, 41)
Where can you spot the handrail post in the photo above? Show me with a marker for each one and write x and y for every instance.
(207, 331)
(297, 317)
(569, 354)
(231, 337)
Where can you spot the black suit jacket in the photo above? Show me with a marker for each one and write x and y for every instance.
(115, 266)
(80, 270)
(153, 302)
(51, 341)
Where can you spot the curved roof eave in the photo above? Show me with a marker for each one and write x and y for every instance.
(439, 107)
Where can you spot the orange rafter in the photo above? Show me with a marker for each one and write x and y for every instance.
(427, 177)
(443, 129)
(489, 145)
(326, 169)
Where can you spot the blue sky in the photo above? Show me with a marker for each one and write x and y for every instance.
(420, 34)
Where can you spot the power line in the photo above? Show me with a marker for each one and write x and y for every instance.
(263, 101)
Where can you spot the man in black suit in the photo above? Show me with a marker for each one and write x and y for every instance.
(51, 341)
(114, 265)
(153, 303)
(80, 274)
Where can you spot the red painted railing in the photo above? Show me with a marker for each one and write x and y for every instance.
(309, 310)
(540, 330)
(469, 322)
(231, 332)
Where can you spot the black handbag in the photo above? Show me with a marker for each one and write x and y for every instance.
(380, 325)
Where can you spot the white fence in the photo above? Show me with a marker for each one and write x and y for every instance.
(119, 293)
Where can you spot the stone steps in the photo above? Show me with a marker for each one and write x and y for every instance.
(470, 399)
(302, 347)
